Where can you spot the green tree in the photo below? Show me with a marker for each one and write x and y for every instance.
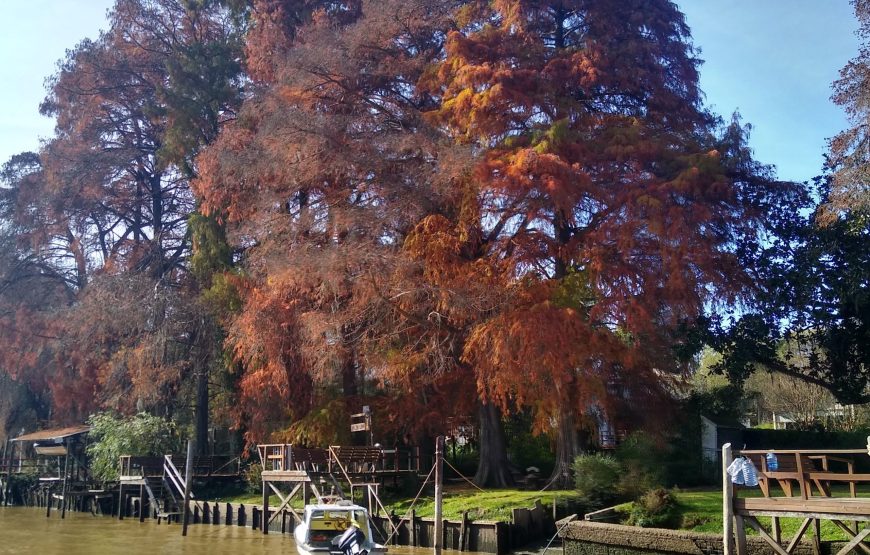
(140, 435)
(811, 317)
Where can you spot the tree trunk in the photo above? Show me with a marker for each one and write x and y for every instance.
(568, 446)
(201, 418)
(493, 469)
(201, 354)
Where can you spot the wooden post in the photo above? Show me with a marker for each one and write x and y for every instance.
(463, 531)
(439, 479)
(727, 502)
(121, 501)
(264, 520)
(413, 527)
(2, 467)
(188, 470)
(63, 485)
(141, 502)
(8, 485)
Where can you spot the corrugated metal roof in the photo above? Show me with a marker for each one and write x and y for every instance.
(56, 433)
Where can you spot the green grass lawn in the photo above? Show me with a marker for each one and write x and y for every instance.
(486, 505)
(481, 505)
(701, 511)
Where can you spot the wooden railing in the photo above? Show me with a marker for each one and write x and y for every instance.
(203, 466)
(354, 459)
(806, 478)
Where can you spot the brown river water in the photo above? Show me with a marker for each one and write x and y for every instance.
(27, 530)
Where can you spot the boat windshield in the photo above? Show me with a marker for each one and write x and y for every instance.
(323, 525)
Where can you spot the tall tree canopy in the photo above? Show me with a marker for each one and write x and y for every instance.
(437, 208)
(106, 205)
(602, 187)
(524, 198)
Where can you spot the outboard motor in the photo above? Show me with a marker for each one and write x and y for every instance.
(351, 542)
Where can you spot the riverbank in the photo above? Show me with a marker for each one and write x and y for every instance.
(491, 504)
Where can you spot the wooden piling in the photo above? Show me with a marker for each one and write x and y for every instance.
(121, 501)
(188, 471)
(463, 531)
(264, 519)
(439, 479)
(63, 485)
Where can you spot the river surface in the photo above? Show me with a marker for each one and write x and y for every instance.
(27, 530)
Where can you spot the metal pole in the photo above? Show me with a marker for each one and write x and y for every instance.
(439, 479)
(188, 470)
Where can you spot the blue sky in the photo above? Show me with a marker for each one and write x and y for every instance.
(774, 60)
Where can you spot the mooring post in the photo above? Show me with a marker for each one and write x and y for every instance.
(7, 498)
(264, 520)
(63, 486)
(142, 501)
(2, 468)
(727, 502)
(188, 470)
(121, 500)
(439, 479)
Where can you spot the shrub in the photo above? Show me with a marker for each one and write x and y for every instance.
(657, 508)
(643, 463)
(596, 477)
(21, 484)
(252, 475)
(140, 435)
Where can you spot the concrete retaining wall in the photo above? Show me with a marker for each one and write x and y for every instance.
(596, 538)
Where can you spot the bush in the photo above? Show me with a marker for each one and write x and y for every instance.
(140, 435)
(252, 476)
(596, 477)
(643, 464)
(657, 508)
(21, 484)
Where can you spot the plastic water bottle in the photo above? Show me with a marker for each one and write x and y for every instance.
(772, 463)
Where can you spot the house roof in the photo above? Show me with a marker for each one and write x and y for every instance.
(721, 422)
(56, 433)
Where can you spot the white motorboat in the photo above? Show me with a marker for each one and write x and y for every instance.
(340, 527)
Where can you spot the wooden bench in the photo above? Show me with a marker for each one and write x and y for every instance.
(356, 460)
(314, 459)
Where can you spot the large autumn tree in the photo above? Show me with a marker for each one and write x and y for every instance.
(323, 175)
(603, 186)
(848, 156)
(107, 204)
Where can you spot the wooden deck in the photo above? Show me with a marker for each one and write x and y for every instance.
(805, 479)
(327, 474)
